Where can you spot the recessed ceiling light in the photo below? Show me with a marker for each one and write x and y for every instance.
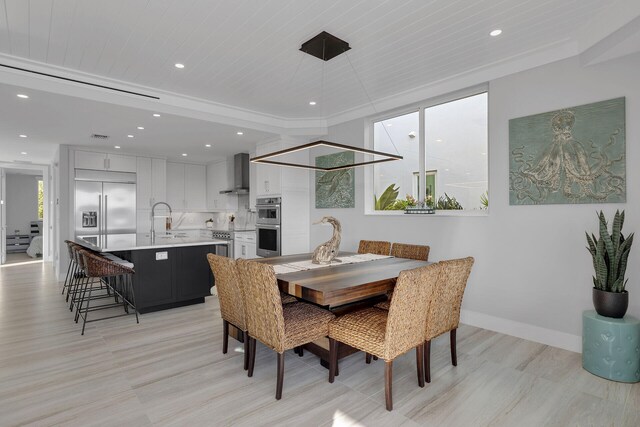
(484, 154)
(438, 140)
(389, 124)
(240, 133)
(23, 153)
(116, 146)
(468, 173)
(22, 136)
(446, 170)
(129, 136)
(495, 32)
(23, 96)
(207, 145)
(179, 65)
(140, 127)
(184, 154)
(312, 102)
(156, 115)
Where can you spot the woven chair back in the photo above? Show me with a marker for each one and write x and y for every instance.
(374, 247)
(403, 250)
(99, 266)
(407, 314)
(444, 313)
(265, 318)
(230, 292)
(70, 248)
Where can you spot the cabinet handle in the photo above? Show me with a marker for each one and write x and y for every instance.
(244, 250)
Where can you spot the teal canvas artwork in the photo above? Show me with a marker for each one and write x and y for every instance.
(335, 189)
(573, 155)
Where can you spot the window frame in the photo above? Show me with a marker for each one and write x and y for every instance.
(369, 122)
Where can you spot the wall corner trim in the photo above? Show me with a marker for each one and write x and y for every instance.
(525, 331)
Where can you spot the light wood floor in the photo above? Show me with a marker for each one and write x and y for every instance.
(170, 370)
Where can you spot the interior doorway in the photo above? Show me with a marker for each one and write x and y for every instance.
(24, 215)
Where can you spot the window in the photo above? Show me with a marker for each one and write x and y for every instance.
(454, 167)
(40, 199)
(394, 186)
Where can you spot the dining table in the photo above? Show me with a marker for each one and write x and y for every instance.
(352, 282)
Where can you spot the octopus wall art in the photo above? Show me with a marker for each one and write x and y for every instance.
(574, 155)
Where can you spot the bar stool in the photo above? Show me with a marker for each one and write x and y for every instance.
(100, 269)
(70, 267)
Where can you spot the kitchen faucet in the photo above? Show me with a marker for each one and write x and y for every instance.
(153, 216)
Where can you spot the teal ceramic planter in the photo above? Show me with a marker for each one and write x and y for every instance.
(611, 347)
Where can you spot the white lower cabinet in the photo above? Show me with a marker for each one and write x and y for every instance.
(244, 244)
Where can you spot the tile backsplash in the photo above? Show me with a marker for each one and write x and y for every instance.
(190, 220)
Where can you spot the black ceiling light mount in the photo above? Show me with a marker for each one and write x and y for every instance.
(326, 46)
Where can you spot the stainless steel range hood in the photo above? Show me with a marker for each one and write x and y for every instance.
(240, 175)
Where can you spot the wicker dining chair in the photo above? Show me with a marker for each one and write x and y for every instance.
(279, 327)
(231, 298)
(388, 334)
(444, 311)
(403, 250)
(377, 247)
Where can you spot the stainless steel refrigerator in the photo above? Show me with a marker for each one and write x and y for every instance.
(105, 202)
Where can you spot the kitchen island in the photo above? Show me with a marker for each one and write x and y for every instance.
(171, 270)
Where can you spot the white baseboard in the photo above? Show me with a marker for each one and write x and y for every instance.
(523, 330)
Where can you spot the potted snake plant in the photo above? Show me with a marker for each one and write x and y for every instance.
(610, 254)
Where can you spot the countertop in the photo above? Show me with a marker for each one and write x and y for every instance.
(132, 242)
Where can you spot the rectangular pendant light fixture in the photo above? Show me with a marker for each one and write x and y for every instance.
(325, 46)
(267, 158)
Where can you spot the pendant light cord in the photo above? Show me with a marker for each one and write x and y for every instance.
(364, 89)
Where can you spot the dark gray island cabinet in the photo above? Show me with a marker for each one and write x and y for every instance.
(168, 274)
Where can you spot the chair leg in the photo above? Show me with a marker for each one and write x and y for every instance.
(245, 338)
(301, 351)
(454, 354)
(388, 383)
(252, 356)
(280, 376)
(419, 362)
(225, 336)
(333, 359)
(367, 358)
(427, 361)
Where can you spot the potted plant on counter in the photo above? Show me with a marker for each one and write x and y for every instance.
(610, 254)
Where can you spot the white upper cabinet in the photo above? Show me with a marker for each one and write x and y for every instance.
(158, 180)
(106, 162)
(120, 163)
(220, 178)
(195, 182)
(186, 186)
(151, 182)
(89, 160)
(268, 177)
(175, 185)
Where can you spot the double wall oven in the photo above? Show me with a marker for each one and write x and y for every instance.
(268, 222)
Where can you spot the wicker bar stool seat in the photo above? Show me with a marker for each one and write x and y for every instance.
(403, 250)
(279, 327)
(388, 334)
(100, 269)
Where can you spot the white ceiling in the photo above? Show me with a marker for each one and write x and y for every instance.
(49, 119)
(245, 53)
(243, 69)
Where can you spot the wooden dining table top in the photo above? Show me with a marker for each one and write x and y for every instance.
(337, 285)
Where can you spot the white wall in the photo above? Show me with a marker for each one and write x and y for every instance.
(22, 202)
(532, 276)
